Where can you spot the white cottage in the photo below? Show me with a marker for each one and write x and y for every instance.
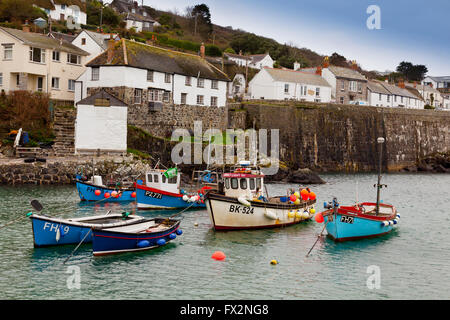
(93, 42)
(65, 10)
(383, 94)
(282, 84)
(155, 75)
(101, 124)
(260, 61)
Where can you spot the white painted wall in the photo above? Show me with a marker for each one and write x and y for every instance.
(117, 76)
(264, 86)
(78, 15)
(331, 79)
(91, 46)
(267, 61)
(394, 101)
(103, 128)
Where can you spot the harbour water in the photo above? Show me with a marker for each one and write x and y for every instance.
(413, 261)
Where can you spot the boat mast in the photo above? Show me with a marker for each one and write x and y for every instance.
(380, 141)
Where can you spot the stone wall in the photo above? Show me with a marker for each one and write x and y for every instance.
(162, 122)
(343, 138)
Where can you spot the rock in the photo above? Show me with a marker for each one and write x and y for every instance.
(304, 176)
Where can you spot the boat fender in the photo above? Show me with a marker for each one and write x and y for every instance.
(395, 221)
(179, 232)
(305, 215)
(391, 223)
(398, 215)
(385, 223)
(244, 201)
(172, 236)
(299, 215)
(291, 214)
(161, 242)
(185, 198)
(270, 214)
(143, 243)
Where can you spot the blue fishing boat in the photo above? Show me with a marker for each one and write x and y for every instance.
(139, 236)
(363, 220)
(161, 190)
(48, 231)
(94, 190)
(359, 221)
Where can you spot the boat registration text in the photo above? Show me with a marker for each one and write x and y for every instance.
(240, 209)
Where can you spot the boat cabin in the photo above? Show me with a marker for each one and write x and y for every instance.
(156, 179)
(244, 181)
(207, 178)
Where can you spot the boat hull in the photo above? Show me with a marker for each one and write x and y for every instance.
(86, 191)
(107, 242)
(346, 225)
(151, 198)
(71, 231)
(227, 213)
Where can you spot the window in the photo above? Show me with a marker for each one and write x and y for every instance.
(166, 96)
(17, 80)
(7, 52)
(379, 97)
(258, 183)
(37, 55)
(56, 56)
(200, 83)
(341, 99)
(213, 101)
(395, 98)
(286, 88)
(155, 95)
(55, 83)
(234, 183)
(163, 179)
(200, 99)
(63, 7)
(1, 78)
(227, 183)
(95, 74)
(137, 96)
(252, 183)
(352, 86)
(388, 98)
(183, 98)
(317, 92)
(214, 84)
(167, 77)
(243, 183)
(342, 85)
(156, 178)
(401, 99)
(359, 87)
(150, 75)
(83, 41)
(71, 85)
(149, 178)
(73, 58)
(303, 90)
(187, 81)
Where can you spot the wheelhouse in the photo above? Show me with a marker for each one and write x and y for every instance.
(156, 179)
(243, 181)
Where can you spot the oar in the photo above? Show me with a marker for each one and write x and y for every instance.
(21, 218)
(318, 237)
(87, 233)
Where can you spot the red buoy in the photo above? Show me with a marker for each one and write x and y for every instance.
(133, 194)
(312, 196)
(97, 192)
(319, 217)
(218, 255)
(107, 194)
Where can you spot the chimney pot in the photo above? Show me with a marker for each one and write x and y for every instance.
(319, 70)
(26, 27)
(110, 49)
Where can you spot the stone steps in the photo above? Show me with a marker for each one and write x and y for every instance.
(64, 129)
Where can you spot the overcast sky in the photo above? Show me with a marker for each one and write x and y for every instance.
(411, 30)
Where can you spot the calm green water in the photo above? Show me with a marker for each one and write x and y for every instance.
(414, 260)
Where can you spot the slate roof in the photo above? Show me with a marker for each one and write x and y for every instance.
(393, 89)
(149, 57)
(64, 36)
(346, 73)
(440, 79)
(297, 77)
(237, 56)
(42, 41)
(138, 17)
(102, 94)
(100, 38)
(377, 87)
(258, 57)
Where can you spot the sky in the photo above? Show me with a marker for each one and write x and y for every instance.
(409, 30)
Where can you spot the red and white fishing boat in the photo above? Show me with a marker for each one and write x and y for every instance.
(240, 203)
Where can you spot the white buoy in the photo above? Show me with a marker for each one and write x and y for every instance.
(244, 201)
(270, 214)
(385, 223)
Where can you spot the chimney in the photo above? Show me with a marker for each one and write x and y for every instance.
(296, 66)
(354, 65)
(110, 49)
(415, 84)
(26, 27)
(240, 52)
(401, 84)
(319, 71)
(326, 62)
(202, 50)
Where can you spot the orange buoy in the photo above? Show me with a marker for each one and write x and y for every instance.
(304, 194)
(218, 255)
(312, 196)
(319, 217)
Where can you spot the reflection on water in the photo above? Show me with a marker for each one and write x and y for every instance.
(413, 259)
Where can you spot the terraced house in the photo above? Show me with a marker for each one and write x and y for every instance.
(383, 94)
(145, 75)
(35, 62)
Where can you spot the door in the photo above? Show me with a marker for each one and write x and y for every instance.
(40, 84)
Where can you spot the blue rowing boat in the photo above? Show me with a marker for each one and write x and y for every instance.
(48, 231)
(96, 191)
(139, 236)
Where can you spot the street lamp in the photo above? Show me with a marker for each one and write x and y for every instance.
(380, 142)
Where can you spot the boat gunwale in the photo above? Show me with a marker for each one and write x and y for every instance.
(89, 225)
(105, 187)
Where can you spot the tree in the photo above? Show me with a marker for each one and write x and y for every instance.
(412, 72)
(95, 9)
(19, 10)
(338, 60)
(200, 18)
